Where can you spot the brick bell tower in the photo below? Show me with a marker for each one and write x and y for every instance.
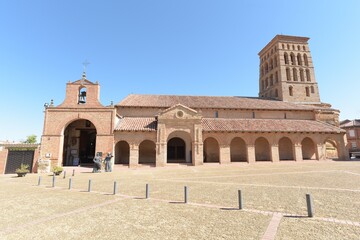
(287, 71)
(79, 127)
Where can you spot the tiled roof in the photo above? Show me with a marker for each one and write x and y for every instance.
(136, 124)
(236, 125)
(266, 125)
(350, 123)
(206, 102)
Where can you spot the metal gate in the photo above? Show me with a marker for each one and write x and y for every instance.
(16, 158)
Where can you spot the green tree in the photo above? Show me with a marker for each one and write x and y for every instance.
(30, 139)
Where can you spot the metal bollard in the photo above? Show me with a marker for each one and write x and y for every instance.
(39, 181)
(147, 191)
(53, 181)
(89, 186)
(70, 183)
(64, 174)
(115, 187)
(240, 200)
(309, 205)
(73, 172)
(186, 194)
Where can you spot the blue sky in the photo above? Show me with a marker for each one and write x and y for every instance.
(187, 47)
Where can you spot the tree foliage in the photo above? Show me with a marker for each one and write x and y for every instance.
(31, 139)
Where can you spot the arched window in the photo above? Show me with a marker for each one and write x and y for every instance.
(308, 77)
(275, 61)
(298, 47)
(306, 60)
(271, 64)
(82, 95)
(293, 47)
(262, 71)
(288, 74)
(290, 91)
(295, 74)
(266, 83)
(307, 91)
(299, 59)
(304, 48)
(302, 75)
(271, 80)
(266, 68)
(312, 89)
(276, 77)
(286, 58)
(288, 46)
(283, 47)
(292, 58)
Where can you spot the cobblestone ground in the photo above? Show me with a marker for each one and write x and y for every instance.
(273, 197)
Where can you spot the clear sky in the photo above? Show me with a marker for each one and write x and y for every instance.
(187, 47)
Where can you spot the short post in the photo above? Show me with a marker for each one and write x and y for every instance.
(89, 186)
(53, 181)
(186, 192)
(115, 187)
(64, 174)
(73, 172)
(147, 191)
(309, 205)
(70, 183)
(240, 200)
(39, 181)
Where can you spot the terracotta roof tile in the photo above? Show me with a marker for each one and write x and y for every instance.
(350, 123)
(206, 102)
(136, 124)
(266, 125)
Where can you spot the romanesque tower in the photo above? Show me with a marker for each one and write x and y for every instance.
(287, 71)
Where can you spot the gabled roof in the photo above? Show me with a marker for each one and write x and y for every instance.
(350, 123)
(209, 102)
(83, 82)
(266, 125)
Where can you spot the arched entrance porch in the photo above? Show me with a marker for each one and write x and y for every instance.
(286, 149)
(211, 150)
(147, 152)
(262, 149)
(331, 151)
(238, 150)
(179, 149)
(308, 149)
(122, 152)
(79, 143)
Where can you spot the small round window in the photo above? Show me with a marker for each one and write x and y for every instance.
(180, 114)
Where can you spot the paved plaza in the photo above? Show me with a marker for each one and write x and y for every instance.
(273, 194)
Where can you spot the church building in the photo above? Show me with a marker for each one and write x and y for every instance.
(286, 122)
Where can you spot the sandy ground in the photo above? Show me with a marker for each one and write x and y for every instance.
(42, 212)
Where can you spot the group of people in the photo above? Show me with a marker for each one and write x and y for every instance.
(98, 162)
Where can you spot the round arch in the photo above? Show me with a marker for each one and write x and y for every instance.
(308, 149)
(262, 149)
(179, 143)
(122, 152)
(211, 150)
(79, 142)
(238, 150)
(147, 152)
(331, 150)
(286, 149)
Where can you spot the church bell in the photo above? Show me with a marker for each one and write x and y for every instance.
(82, 97)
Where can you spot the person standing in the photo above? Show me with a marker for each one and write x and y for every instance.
(107, 159)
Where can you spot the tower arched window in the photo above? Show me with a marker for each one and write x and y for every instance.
(271, 80)
(312, 89)
(298, 47)
(286, 58)
(266, 83)
(275, 61)
(271, 64)
(288, 74)
(306, 60)
(262, 71)
(304, 48)
(295, 74)
(283, 47)
(293, 47)
(299, 59)
(307, 91)
(302, 78)
(292, 58)
(308, 77)
(290, 91)
(276, 77)
(82, 95)
(266, 68)
(262, 85)
(288, 46)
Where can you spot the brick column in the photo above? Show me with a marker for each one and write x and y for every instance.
(197, 154)
(251, 153)
(298, 152)
(275, 153)
(225, 154)
(161, 154)
(134, 155)
(320, 148)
